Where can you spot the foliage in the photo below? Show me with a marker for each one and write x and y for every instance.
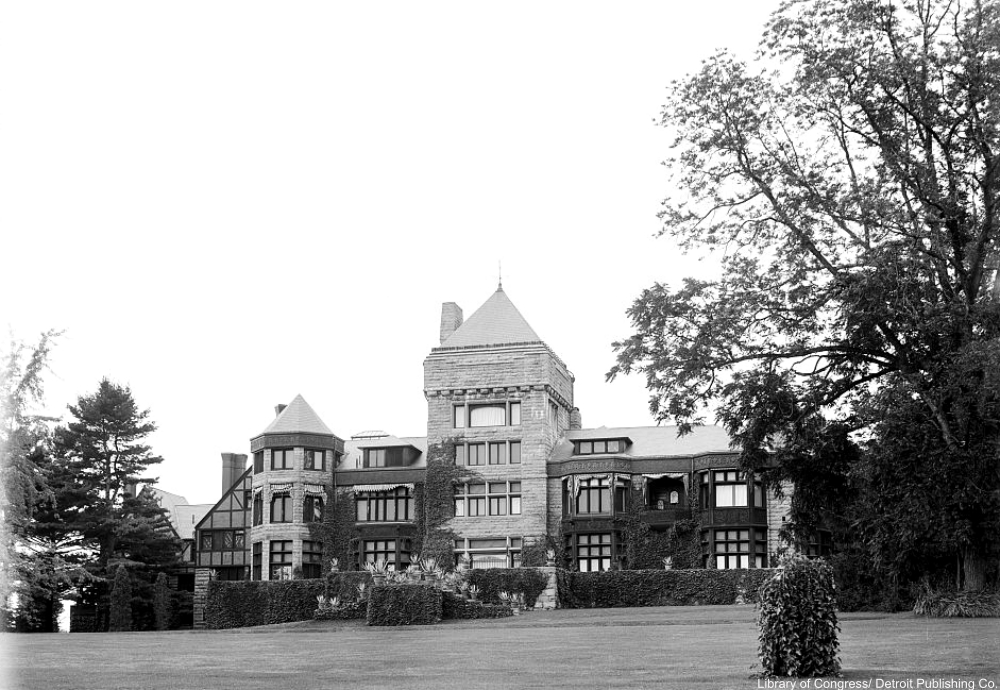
(645, 548)
(952, 604)
(346, 611)
(339, 530)
(437, 540)
(121, 602)
(534, 554)
(797, 617)
(528, 582)
(161, 603)
(455, 607)
(404, 605)
(345, 584)
(853, 191)
(249, 603)
(615, 588)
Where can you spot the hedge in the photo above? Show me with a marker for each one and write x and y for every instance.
(404, 605)
(455, 607)
(528, 581)
(616, 588)
(351, 611)
(344, 584)
(247, 603)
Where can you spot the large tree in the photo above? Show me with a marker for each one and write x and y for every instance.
(103, 457)
(850, 179)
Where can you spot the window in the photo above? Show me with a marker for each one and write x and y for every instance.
(222, 540)
(732, 548)
(312, 509)
(395, 505)
(730, 489)
(492, 498)
(383, 457)
(703, 487)
(599, 446)
(593, 552)
(489, 414)
(315, 460)
(312, 559)
(257, 547)
(385, 549)
(281, 508)
(281, 459)
(758, 494)
(675, 498)
(258, 462)
(594, 496)
(281, 560)
(490, 552)
(258, 509)
(493, 453)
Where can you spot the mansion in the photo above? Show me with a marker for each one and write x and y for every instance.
(497, 392)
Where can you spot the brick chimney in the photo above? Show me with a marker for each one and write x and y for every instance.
(451, 319)
(278, 409)
(575, 419)
(233, 465)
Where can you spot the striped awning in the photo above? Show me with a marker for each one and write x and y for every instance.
(279, 488)
(315, 489)
(372, 488)
(670, 475)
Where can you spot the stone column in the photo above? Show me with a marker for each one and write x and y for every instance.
(201, 579)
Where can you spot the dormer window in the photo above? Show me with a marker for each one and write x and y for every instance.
(489, 414)
(383, 457)
(599, 446)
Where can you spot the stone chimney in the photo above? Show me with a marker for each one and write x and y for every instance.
(233, 466)
(451, 319)
(575, 419)
(278, 409)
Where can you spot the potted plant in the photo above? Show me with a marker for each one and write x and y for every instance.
(550, 557)
(378, 571)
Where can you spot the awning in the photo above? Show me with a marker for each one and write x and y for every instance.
(671, 475)
(316, 489)
(279, 488)
(372, 488)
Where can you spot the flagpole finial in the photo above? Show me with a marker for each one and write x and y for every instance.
(499, 275)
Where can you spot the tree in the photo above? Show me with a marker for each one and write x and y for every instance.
(121, 602)
(104, 458)
(162, 602)
(851, 180)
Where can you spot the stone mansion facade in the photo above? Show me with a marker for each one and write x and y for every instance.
(505, 399)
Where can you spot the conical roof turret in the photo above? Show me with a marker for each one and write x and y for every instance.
(497, 322)
(298, 417)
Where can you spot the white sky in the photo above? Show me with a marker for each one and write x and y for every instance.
(224, 204)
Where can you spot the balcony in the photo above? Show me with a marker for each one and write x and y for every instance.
(665, 516)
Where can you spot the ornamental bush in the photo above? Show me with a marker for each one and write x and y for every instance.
(344, 584)
(161, 602)
(798, 620)
(614, 588)
(404, 605)
(527, 581)
(121, 602)
(952, 604)
(351, 611)
(249, 603)
(455, 607)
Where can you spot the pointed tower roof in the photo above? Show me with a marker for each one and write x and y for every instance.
(497, 322)
(298, 417)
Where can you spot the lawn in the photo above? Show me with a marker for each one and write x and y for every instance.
(664, 648)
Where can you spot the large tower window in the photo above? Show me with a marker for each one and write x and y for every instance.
(489, 414)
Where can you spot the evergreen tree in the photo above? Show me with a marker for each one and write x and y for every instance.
(121, 602)
(161, 602)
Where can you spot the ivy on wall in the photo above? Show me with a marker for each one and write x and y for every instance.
(339, 530)
(438, 502)
(645, 548)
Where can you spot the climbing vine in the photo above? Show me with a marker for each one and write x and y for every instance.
(438, 502)
(339, 530)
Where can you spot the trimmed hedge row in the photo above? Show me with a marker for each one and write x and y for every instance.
(404, 605)
(242, 604)
(455, 607)
(616, 588)
(528, 581)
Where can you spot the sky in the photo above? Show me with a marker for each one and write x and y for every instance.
(225, 204)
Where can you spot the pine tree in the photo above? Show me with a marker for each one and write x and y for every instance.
(161, 602)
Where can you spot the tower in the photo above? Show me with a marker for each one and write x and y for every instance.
(293, 460)
(503, 397)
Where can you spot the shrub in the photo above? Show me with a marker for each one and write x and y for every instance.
(351, 611)
(949, 604)
(616, 588)
(121, 602)
(345, 584)
(404, 605)
(455, 607)
(161, 602)
(243, 604)
(798, 620)
(527, 581)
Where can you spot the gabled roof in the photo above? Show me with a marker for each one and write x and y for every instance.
(354, 450)
(183, 515)
(650, 441)
(299, 418)
(497, 322)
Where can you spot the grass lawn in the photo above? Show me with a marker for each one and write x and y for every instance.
(664, 648)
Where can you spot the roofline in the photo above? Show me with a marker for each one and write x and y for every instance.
(499, 346)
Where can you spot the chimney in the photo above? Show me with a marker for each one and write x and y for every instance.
(278, 409)
(233, 465)
(451, 319)
(575, 419)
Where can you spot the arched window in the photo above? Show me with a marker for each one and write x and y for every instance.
(674, 497)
